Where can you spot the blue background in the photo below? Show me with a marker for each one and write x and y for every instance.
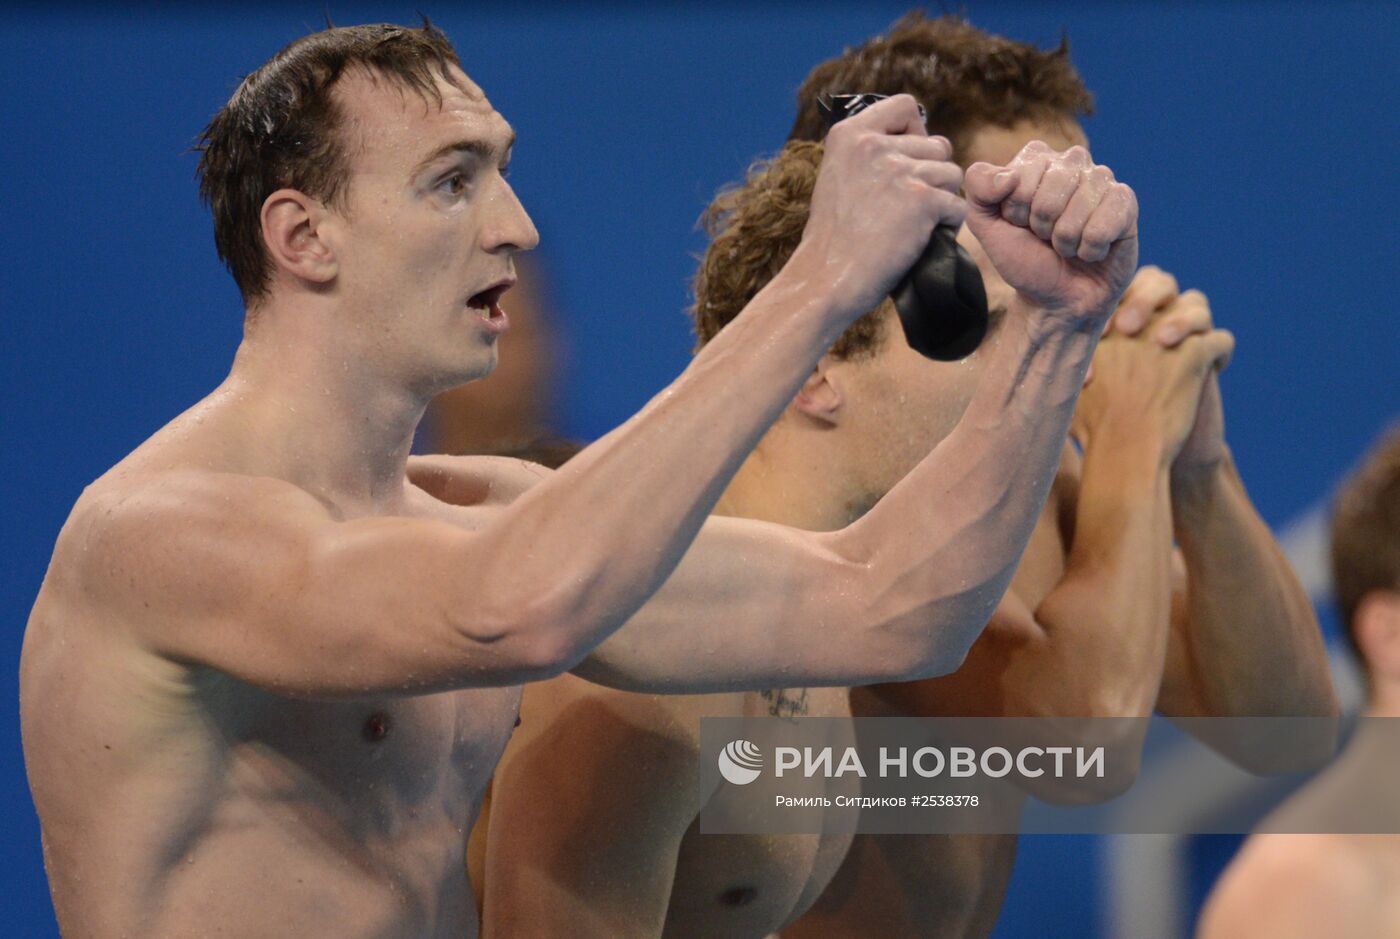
(1261, 139)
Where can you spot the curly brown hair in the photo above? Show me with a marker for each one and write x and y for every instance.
(754, 228)
(1366, 529)
(282, 128)
(964, 77)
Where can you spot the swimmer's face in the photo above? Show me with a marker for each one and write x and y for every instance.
(430, 228)
(900, 404)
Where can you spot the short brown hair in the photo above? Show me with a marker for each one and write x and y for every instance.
(965, 78)
(754, 228)
(282, 128)
(1366, 529)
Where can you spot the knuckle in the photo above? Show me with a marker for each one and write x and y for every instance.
(1094, 236)
(868, 145)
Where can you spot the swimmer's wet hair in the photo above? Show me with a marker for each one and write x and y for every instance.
(964, 77)
(283, 129)
(754, 228)
(1366, 529)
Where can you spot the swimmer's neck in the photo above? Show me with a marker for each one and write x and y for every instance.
(782, 484)
(324, 419)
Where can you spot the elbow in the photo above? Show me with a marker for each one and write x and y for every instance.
(912, 648)
(1111, 744)
(536, 638)
(1077, 792)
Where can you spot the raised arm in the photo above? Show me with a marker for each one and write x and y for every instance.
(1094, 644)
(1244, 641)
(904, 591)
(548, 577)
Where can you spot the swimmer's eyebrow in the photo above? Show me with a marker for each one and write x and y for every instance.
(475, 147)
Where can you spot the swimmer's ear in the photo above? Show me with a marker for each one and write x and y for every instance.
(292, 230)
(822, 394)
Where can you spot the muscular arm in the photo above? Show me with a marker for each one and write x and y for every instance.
(590, 804)
(1093, 646)
(905, 590)
(1246, 641)
(255, 578)
(409, 604)
(902, 592)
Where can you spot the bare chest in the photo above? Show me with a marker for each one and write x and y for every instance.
(384, 763)
(752, 885)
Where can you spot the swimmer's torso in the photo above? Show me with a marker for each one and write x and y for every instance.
(178, 801)
(938, 886)
(751, 885)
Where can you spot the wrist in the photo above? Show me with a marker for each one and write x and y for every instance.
(1054, 320)
(1130, 444)
(1198, 485)
(808, 295)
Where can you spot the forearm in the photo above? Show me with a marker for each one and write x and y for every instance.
(1105, 624)
(1250, 640)
(585, 548)
(939, 550)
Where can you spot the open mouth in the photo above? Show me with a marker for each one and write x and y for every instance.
(488, 302)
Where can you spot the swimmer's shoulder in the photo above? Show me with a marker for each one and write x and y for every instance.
(1294, 886)
(149, 529)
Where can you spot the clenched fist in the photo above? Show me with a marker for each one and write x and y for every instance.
(884, 185)
(1059, 229)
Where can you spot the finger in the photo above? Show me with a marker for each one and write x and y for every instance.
(1113, 221)
(947, 208)
(897, 114)
(987, 186)
(1152, 289)
(1057, 186)
(1190, 315)
(938, 174)
(1070, 228)
(1016, 207)
(1221, 346)
(1063, 176)
(923, 148)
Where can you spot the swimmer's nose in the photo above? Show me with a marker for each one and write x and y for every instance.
(509, 227)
